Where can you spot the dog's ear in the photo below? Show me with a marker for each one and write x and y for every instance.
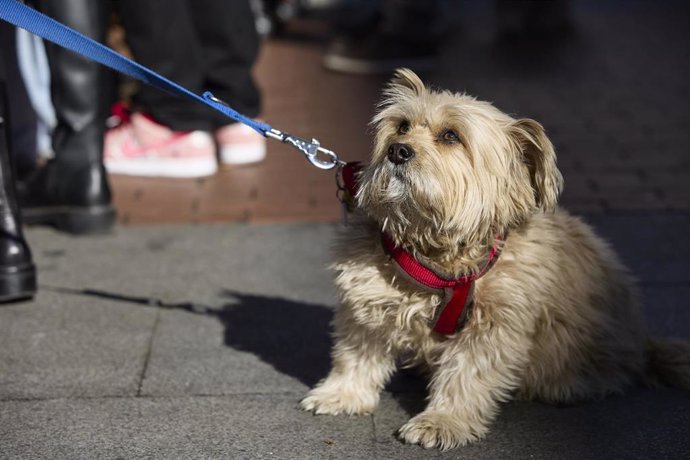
(538, 154)
(406, 78)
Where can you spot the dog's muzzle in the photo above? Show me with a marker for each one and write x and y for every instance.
(400, 153)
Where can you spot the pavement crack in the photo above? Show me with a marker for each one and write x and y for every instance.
(373, 429)
(149, 350)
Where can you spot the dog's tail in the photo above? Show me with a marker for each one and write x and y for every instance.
(669, 362)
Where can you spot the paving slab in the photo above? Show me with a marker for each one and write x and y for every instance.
(238, 427)
(61, 346)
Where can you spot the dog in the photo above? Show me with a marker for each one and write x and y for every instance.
(470, 193)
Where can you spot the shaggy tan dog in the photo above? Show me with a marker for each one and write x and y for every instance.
(557, 316)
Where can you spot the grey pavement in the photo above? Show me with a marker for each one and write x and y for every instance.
(197, 341)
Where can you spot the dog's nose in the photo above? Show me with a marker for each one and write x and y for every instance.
(400, 153)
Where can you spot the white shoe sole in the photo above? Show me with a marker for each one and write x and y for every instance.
(179, 167)
(243, 154)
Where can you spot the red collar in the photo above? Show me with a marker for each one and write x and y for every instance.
(457, 294)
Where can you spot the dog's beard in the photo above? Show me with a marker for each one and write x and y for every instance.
(391, 186)
(401, 199)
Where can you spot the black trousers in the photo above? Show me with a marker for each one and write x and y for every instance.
(200, 44)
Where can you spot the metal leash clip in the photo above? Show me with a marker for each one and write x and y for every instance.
(311, 149)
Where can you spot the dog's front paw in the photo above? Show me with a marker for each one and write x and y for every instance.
(439, 430)
(334, 401)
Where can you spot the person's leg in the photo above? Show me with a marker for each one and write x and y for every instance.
(162, 37)
(33, 66)
(72, 192)
(230, 46)
(17, 272)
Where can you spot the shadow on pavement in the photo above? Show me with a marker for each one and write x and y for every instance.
(293, 337)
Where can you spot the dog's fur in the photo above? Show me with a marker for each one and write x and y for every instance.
(557, 317)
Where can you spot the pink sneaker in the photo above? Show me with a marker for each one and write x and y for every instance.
(240, 144)
(142, 147)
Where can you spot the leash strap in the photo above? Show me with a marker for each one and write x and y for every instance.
(20, 15)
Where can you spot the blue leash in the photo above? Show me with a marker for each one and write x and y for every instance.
(20, 15)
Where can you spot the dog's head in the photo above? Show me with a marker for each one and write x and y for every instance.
(449, 169)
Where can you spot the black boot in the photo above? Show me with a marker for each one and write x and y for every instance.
(17, 272)
(71, 192)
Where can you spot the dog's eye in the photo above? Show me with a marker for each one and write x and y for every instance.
(404, 127)
(450, 137)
